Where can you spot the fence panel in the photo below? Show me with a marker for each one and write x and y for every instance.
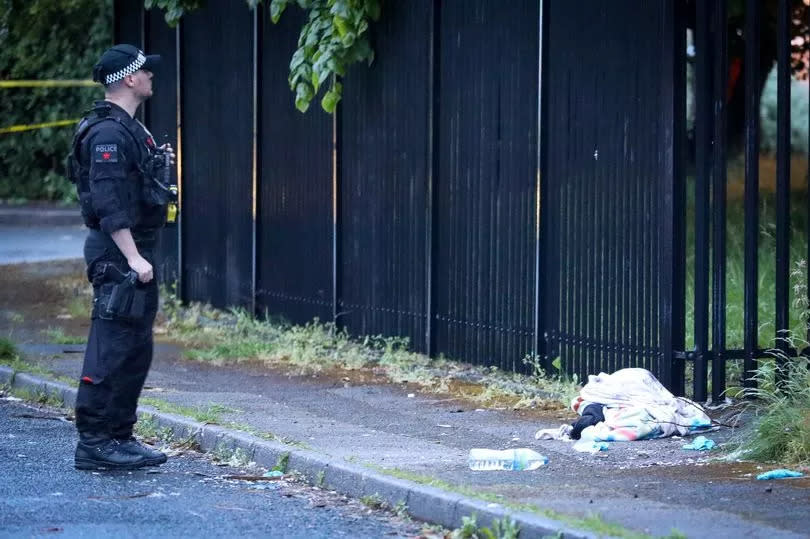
(217, 122)
(161, 119)
(383, 179)
(294, 236)
(609, 179)
(486, 184)
(128, 20)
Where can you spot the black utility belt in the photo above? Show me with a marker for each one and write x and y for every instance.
(145, 240)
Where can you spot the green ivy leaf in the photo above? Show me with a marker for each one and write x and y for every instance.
(303, 96)
(312, 36)
(348, 39)
(340, 8)
(276, 9)
(336, 66)
(298, 58)
(342, 25)
(330, 100)
(362, 26)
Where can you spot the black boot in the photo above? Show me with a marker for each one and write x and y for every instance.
(153, 456)
(105, 455)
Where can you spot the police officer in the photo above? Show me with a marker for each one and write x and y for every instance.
(120, 177)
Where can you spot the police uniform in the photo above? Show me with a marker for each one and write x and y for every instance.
(120, 178)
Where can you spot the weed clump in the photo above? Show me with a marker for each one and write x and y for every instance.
(8, 351)
(781, 428)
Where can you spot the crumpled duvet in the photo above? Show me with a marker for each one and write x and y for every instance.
(637, 407)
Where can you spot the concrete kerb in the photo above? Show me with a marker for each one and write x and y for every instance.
(423, 502)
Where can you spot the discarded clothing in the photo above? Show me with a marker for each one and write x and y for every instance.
(701, 443)
(636, 407)
(585, 446)
(591, 415)
(781, 473)
(563, 432)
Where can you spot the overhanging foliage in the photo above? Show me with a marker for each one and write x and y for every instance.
(46, 39)
(334, 37)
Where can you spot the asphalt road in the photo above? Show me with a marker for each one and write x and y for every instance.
(42, 494)
(39, 243)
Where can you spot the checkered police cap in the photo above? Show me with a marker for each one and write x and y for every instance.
(121, 60)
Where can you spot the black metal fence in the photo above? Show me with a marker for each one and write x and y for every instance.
(610, 174)
(450, 200)
(712, 95)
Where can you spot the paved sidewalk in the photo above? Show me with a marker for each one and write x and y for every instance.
(651, 487)
(40, 214)
(369, 435)
(40, 232)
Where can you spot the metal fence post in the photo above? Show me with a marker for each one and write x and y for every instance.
(751, 203)
(719, 202)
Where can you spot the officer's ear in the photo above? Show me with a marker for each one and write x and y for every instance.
(129, 80)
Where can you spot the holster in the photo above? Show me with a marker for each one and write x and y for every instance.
(117, 295)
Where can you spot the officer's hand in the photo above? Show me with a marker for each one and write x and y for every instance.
(143, 268)
(169, 150)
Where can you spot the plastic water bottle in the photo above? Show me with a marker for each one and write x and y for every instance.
(507, 459)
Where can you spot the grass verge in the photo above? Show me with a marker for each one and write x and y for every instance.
(209, 414)
(8, 350)
(58, 336)
(9, 357)
(218, 336)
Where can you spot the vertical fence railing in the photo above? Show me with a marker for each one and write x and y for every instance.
(711, 124)
(751, 203)
(295, 191)
(434, 74)
(161, 115)
(704, 132)
(218, 134)
(672, 294)
(783, 61)
(720, 48)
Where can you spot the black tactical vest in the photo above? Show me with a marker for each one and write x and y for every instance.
(147, 190)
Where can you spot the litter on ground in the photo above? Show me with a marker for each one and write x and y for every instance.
(780, 473)
(700, 443)
(586, 446)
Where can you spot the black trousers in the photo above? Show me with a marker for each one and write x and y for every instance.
(118, 355)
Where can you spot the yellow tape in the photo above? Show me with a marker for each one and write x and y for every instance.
(46, 83)
(29, 127)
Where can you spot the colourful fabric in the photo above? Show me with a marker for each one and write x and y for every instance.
(637, 407)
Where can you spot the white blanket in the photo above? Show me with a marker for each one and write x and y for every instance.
(636, 407)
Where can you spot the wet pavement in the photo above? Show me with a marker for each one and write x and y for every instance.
(651, 487)
(189, 496)
(21, 243)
